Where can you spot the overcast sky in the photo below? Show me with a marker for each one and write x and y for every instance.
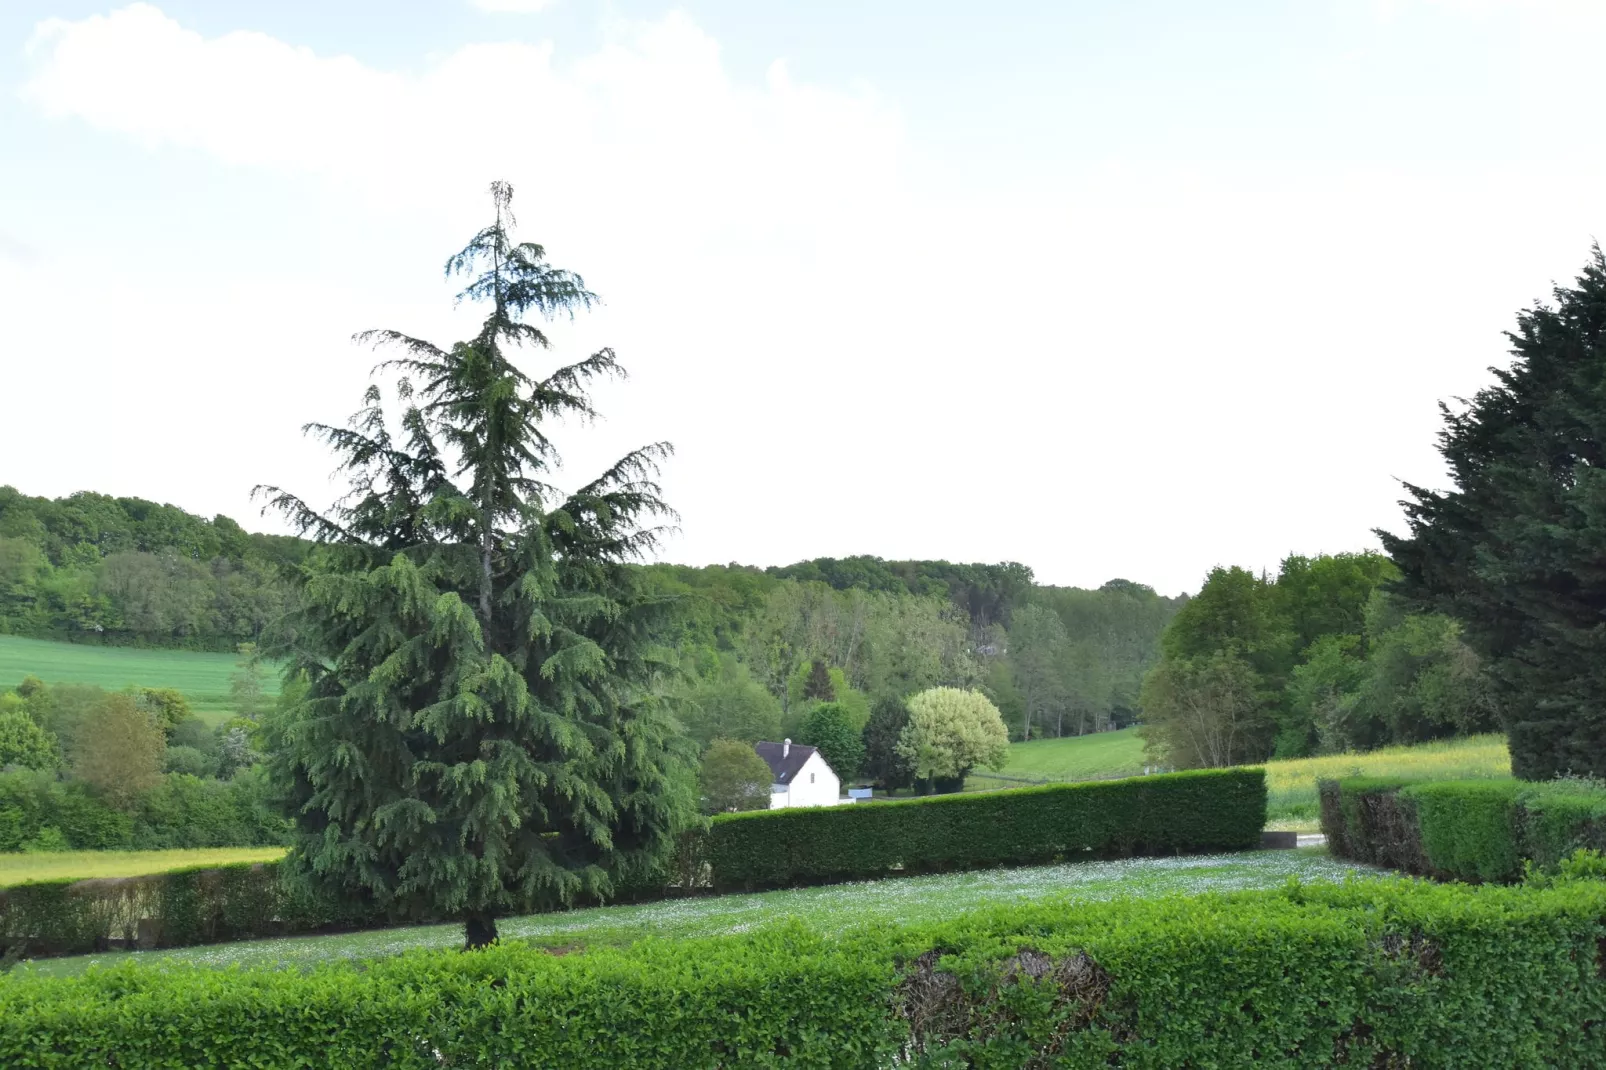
(1112, 289)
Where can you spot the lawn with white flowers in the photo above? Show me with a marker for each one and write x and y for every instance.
(831, 908)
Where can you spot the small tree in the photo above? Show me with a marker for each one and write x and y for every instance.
(829, 729)
(23, 743)
(120, 753)
(883, 765)
(734, 777)
(1204, 712)
(169, 706)
(245, 685)
(818, 687)
(950, 732)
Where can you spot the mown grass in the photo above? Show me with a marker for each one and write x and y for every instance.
(79, 865)
(202, 677)
(831, 909)
(1092, 757)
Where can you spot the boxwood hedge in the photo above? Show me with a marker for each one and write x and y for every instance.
(1374, 973)
(1472, 830)
(1194, 811)
(1201, 811)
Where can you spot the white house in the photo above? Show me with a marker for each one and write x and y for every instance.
(798, 775)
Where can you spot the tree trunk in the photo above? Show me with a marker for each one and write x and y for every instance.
(479, 929)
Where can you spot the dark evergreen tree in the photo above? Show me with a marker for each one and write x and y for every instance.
(883, 765)
(479, 732)
(1517, 551)
(818, 686)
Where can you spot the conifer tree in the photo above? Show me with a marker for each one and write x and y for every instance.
(1516, 551)
(480, 731)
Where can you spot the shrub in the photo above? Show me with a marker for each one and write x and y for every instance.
(1474, 830)
(1382, 973)
(190, 760)
(734, 777)
(1197, 811)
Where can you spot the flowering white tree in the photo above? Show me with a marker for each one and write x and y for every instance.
(951, 731)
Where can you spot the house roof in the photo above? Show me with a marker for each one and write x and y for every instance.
(784, 769)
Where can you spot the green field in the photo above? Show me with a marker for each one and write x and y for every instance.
(78, 865)
(1291, 784)
(831, 909)
(1095, 757)
(203, 678)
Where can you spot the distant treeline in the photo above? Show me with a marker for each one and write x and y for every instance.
(93, 568)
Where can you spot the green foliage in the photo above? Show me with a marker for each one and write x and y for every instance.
(883, 765)
(167, 704)
(180, 810)
(1202, 811)
(950, 732)
(189, 760)
(483, 724)
(125, 570)
(1368, 974)
(23, 743)
(829, 728)
(119, 756)
(1474, 830)
(1205, 711)
(730, 704)
(246, 686)
(734, 777)
(1513, 551)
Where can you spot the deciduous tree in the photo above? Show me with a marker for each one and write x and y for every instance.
(950, 732)
(734, 777)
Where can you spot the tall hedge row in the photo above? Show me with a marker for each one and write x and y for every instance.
(1200, 811)
(1474, 830)
(1195, 811)
(1378, 973)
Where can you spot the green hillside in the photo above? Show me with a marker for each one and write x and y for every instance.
(203, 678)
(1090, 757)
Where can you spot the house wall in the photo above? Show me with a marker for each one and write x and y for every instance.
(825, 790)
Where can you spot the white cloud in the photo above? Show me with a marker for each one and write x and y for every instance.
(1139, 373)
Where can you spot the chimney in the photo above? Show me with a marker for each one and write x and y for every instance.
(786, 747)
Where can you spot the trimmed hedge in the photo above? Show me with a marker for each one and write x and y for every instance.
(1198, 811)
(1207, 810)
(1373, 973)
(1472, 830)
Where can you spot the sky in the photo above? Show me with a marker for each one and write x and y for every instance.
(1129, 289)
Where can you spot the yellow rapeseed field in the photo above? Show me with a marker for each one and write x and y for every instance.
(1292, 784)
(77, 865)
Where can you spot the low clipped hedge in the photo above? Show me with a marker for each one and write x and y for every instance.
(1205, 810)
(1199, 811)
(1471, 830)
(1372, 973)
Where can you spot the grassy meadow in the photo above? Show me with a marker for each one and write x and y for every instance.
(202, 677)
(80, 865)
(1094, 757)
(1291, 785)
(832, 909)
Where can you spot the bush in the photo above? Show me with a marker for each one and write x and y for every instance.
(1386, 973)
(190, 760)
(180, 811)
(1196, 811)
(1473, 830)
